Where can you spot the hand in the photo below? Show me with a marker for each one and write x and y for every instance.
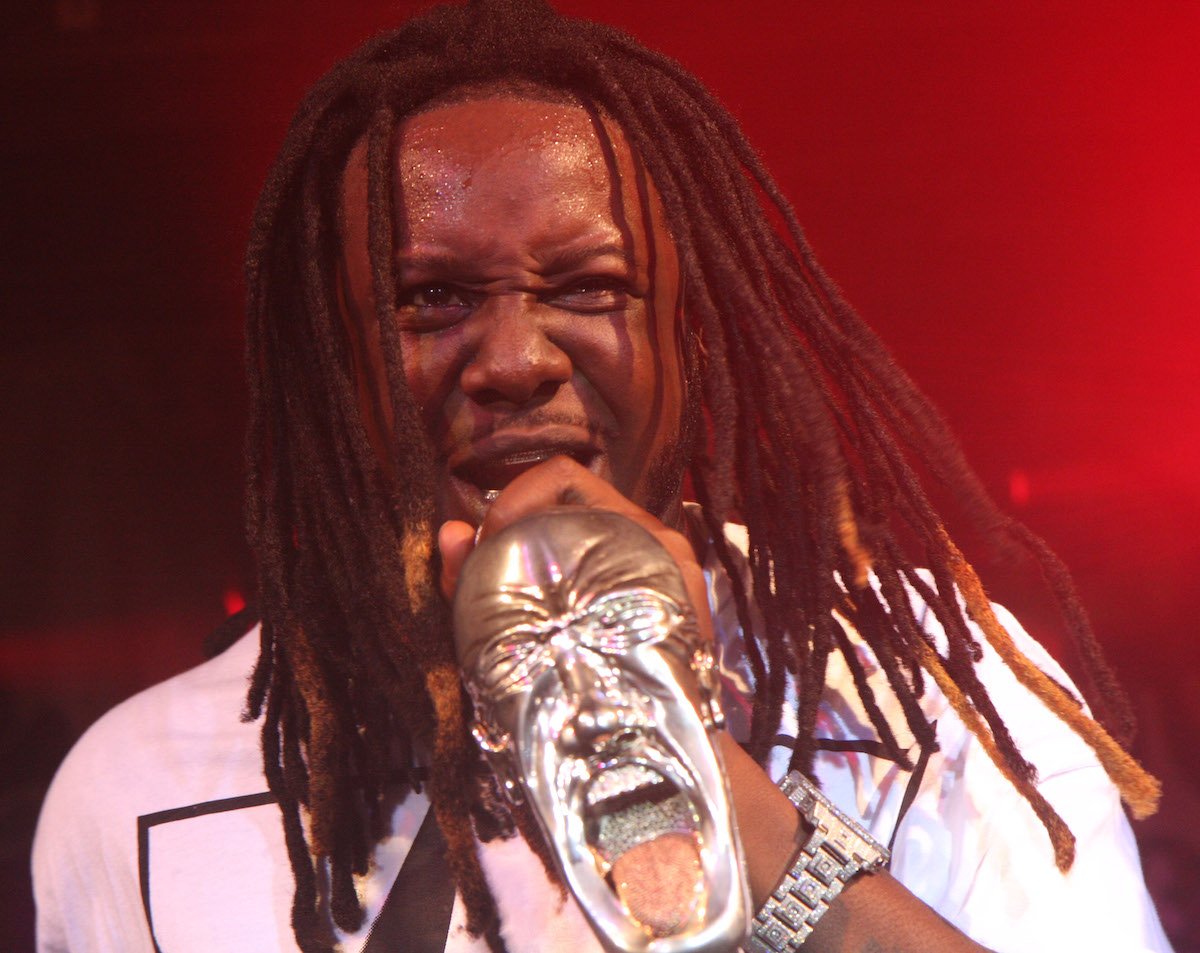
(874, 909)
(767, 820)
(561, 481)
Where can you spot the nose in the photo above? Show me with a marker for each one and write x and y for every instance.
(596, 723)
(595, 718)
(515, 361)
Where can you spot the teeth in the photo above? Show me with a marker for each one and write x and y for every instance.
(495, 473)
(640, 822)
(620, 780)
(527, 456)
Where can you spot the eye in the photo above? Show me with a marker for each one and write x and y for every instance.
(617, 621)
(597, 294)
(432, 305)
(434, 296)
(514, 660)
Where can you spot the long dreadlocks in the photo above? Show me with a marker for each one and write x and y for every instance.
(357, 672)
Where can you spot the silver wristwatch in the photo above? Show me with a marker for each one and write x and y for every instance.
(838, 849)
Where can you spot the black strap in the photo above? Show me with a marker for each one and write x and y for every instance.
(416, 914)
(876, 749)
(914, 784)
(229, 631)
(871, 746)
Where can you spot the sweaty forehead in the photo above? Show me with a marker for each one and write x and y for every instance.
(507, 151)
(464, 123)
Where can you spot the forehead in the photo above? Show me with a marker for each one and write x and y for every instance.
(512, 160)
(531, 160)
(481, 122)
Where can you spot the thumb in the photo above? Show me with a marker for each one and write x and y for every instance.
(455, 541)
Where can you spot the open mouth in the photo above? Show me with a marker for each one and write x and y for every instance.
(644, 833)
(496, 472)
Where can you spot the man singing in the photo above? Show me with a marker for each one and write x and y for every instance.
(508, 261)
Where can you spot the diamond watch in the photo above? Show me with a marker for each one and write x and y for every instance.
(838, 849)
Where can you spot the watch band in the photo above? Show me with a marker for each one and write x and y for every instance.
(838, 849)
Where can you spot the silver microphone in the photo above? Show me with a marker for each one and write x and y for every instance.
(595, 702)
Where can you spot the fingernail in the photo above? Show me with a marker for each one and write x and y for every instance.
(489, 497)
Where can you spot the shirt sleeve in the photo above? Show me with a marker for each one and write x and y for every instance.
(1019, 901)
(85, 871)
(974, 849)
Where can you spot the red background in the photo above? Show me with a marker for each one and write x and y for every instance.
(1008, 192)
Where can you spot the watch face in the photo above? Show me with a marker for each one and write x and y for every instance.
(841, 834)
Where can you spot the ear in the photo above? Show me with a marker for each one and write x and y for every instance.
(497, 747)
(710, 689)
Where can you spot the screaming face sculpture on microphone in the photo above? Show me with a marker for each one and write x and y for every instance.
(595, 696)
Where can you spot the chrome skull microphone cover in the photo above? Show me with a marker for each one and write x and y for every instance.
(595, 702)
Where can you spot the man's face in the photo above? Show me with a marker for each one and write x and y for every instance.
(537, 300)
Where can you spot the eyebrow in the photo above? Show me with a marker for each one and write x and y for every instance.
(566, 259)
(559, 260)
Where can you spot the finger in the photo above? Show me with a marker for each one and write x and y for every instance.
(559, 481)
(553, 486)
(455, 541)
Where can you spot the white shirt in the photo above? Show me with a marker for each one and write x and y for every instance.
(159, 821)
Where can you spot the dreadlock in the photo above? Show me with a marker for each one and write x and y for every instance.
(356, 673)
